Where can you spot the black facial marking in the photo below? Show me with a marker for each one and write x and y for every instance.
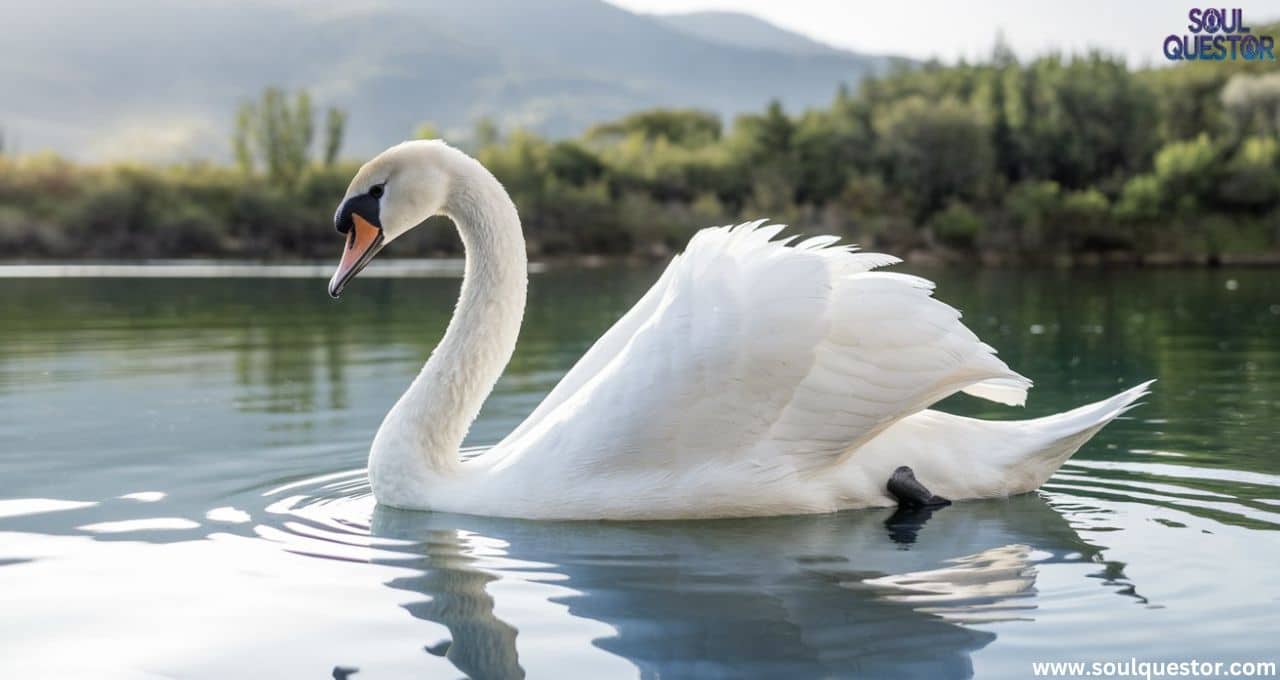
(364, 205)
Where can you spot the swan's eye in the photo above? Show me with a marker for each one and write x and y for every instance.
(376, 191)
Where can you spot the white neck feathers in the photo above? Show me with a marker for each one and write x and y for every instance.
(421, 435)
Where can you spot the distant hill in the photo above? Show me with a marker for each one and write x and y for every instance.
(160, 79)
(744, 30)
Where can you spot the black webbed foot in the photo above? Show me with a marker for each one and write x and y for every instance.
(910, 493)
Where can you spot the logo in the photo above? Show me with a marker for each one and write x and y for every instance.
(1219, 35)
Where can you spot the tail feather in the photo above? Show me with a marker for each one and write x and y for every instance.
(1090, 417)
(959, 457)
(1054, 439)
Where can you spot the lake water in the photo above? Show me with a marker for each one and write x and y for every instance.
(182, 495)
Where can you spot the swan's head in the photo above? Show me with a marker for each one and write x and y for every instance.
(391, 194)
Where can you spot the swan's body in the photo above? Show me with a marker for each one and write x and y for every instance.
(754, 378)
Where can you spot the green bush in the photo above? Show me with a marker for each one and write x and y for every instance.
(1252, 178)
(1086, 224)
(1031, 208)
(1187, 172)
(957, 225)
(1141, 200)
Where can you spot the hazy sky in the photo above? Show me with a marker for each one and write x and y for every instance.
(949, 29)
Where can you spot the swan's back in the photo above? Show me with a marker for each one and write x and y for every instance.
(759, 358)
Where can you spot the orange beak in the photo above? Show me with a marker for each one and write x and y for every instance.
(364, 240)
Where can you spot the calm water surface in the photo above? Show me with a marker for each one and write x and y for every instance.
(181, 495)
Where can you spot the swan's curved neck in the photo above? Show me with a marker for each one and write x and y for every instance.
(422, 433)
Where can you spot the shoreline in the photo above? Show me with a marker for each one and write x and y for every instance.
(1096, 260)
(215, 269)
(452, 267)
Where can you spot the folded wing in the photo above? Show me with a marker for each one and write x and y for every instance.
(754, 351)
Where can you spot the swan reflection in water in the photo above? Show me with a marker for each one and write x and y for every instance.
(836, 595)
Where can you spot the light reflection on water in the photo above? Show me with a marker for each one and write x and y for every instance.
(182, 496)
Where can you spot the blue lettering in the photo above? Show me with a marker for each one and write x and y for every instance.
(1202, 46)
(1268, 49)
(1218, 34)
(1240, 27)
(1249, 48)
(1212, 20)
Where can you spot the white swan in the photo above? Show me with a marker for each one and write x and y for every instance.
(754, 378)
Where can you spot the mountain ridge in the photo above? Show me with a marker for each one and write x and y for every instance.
(153, 79)
(744, 30)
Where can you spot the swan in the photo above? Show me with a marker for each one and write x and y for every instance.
(757, 377)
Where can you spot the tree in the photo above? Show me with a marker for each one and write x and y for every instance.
(830, 147)
(1002, 55)
(573, 163)
(426, 130)
(1187, 98)
(1254, 103)
(241, 138)
(1084, 120)
(298, 134)
(1252, 178)
(761, 149)
(1008, 157)
(335, 127)
(277, 135)
(1186, 171)
(936, 151)
(761, 138)
(485, 132)
(686, 127)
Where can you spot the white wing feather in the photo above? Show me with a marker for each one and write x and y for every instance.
(752, 351)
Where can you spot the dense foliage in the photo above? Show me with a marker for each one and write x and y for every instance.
(1028, 161)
